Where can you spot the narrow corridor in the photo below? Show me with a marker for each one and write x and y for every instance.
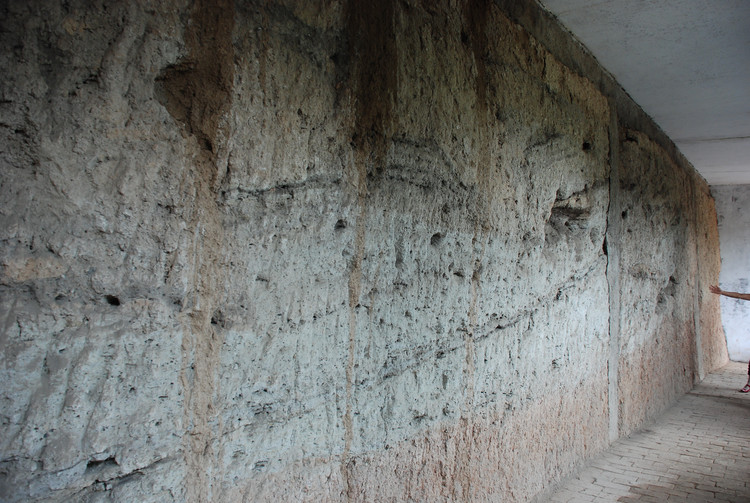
(697, 451)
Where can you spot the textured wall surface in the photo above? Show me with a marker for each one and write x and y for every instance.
(712, 344)
(734, 221)
(303, 251)
(657, 279)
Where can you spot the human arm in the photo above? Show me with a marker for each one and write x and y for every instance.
(734, 295)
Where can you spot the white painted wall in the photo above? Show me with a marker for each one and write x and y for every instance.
(733, 210)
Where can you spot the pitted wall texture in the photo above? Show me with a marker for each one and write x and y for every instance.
(713, 344)
(328, 251)
(657, 280)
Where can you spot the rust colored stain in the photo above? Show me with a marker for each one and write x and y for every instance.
(196, 90)
(373, 73)
(476, 14)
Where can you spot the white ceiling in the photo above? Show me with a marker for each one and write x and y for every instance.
(686, 63)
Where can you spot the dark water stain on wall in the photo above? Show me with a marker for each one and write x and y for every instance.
(196, 90)
(373, 61)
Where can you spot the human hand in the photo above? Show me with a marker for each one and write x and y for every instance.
(715, 289)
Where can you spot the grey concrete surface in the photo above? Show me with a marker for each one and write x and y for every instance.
(697, 451)
(331, 251)
(686, 63)
(734, 237)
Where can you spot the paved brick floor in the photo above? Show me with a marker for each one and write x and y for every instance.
(697, 451)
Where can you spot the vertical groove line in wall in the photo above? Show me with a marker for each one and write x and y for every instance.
(355, 286)
(613, 273)
(466, 439)
(698, 374)
(196, 91)
(469, 368)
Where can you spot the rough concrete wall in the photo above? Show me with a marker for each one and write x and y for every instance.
(323, 251)
(101, 255)
(648, 175)
(712, 353)
(657, 355)
(734, 222)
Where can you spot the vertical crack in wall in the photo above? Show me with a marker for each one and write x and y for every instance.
(465, 451)
(355, 289)
(469, 364)
(612, 243)
(197, 91)
(373, 61)
(475, 16)
(693, 222)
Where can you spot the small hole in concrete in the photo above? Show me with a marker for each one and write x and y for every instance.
(218, 318)
(586, 146)
(112, 300)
